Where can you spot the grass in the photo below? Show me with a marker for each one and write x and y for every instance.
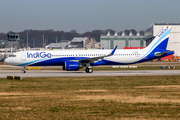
(106, 98)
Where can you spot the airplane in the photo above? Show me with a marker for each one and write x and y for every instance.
(72, 60)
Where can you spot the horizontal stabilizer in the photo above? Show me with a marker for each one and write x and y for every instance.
(162, 53)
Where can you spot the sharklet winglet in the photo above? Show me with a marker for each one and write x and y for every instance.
(112, 53)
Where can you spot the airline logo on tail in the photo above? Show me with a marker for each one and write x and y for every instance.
(162, 32)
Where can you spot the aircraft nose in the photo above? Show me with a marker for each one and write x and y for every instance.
(6, 61)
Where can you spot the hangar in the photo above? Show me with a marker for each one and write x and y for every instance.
(124, 39)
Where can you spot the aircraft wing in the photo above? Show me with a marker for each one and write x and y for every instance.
(162, 53)
(91, 60)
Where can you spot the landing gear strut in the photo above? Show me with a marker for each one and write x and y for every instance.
(89, 70)
(24, 69)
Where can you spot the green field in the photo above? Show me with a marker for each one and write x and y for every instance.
(105, 98)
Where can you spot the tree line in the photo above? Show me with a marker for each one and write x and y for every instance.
(35, 37)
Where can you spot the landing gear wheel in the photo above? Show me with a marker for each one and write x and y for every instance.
(23, 71)
(89, 70)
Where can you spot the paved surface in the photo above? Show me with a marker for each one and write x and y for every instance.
(59, 73)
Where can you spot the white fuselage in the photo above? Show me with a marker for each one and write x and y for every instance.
(26, 58)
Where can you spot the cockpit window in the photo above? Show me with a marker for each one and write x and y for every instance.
(12, 55)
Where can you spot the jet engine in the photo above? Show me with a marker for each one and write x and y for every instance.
(71, 66)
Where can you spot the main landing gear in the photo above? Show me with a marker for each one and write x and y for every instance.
(24, 69)
(89, 70)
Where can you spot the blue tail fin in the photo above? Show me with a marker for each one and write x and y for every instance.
(160, 41)
(157, 48)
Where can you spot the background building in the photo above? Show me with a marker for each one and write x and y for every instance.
(13, 40)
(83, 42)
(124, 40)
(174, 39)
(60, 45)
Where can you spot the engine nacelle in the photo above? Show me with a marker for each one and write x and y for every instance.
(71, 66)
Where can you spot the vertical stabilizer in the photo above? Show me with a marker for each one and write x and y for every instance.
(161, 40)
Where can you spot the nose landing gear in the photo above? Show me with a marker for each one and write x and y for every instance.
(23, 70)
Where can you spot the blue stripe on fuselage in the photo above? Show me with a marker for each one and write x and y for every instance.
(51, 62)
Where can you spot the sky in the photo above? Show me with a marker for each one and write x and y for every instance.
(86, 15)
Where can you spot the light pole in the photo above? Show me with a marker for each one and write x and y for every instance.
(56, 39)
(33, 43)
(27, 39)
(43, 41)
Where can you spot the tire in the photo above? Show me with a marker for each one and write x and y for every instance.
(90, 70)
(23, 71)
(87, 70)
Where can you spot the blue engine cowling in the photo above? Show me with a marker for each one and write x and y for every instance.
(71, 66)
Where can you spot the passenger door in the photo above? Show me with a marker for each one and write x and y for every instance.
(23, 56)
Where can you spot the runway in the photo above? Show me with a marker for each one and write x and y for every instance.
(59, 73)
